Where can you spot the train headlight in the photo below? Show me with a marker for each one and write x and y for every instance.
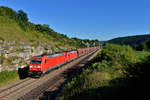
(38, 66)
(31, 66)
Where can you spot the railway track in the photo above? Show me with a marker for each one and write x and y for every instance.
(33, 89)
(3, 90)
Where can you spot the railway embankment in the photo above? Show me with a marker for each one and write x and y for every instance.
(117, 72)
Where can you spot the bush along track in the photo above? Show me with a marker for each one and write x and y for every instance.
(115, 73)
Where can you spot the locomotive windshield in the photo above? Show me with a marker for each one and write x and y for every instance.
(36, 61)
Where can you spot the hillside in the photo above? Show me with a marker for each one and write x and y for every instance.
(131, 40)
(14, 29)
(20, 39)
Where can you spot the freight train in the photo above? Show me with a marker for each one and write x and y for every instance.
(39, 65)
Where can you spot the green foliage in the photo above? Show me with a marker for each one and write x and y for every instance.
(77, 82)
(10, 59)
(102, 79)
(102, 65)
(141, 47)
(79, 43)
(5, 11)
(133, 41)
(118, 55)
(1, 38)
(7, 77)
(79, 88)
(138, 78)
(2, 58)
(140, 70)
(147, 43)
(144, 46)
(19, 50)
(22, 16)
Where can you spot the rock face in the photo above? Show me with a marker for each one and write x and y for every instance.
(14, 55)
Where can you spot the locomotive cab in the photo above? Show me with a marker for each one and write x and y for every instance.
(35, 66)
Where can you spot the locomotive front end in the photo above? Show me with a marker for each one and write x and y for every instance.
(35, 67)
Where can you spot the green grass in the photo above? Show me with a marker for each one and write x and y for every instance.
(11, 31)
(142, 54)
(7, 77)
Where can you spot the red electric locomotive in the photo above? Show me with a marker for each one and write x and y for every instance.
(42, 64)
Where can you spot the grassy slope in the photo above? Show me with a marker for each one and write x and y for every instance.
(10, 31)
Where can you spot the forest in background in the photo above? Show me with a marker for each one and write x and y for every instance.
(138, 42)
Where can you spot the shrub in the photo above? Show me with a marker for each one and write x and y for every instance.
(118, 55)
(1, 38)
(10, 59)
(101, 65)
(139, 70)
(2, 59)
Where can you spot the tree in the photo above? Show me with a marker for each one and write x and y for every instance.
(148, 44)
(142, 46)
(22, 16)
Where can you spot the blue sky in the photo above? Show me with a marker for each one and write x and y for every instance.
(91, 19)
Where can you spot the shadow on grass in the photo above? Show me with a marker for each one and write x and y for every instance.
(119, 89)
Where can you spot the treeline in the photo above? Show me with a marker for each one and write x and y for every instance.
(22, 20)
(139, 42)
(88, 43)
